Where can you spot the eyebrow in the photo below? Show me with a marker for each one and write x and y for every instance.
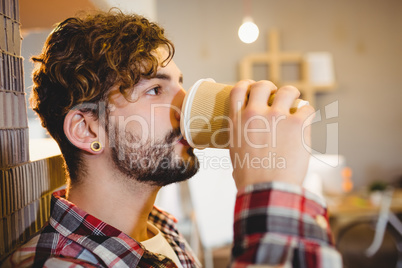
(167, 77)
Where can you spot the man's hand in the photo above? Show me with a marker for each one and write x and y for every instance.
(267, 141)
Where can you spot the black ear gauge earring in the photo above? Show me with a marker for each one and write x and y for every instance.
(96, 146)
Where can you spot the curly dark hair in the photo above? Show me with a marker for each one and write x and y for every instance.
(83, 58)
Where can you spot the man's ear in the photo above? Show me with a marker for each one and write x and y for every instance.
(82, 130)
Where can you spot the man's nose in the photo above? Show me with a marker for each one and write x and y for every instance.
(178, 102)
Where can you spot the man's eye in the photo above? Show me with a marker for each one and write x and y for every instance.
(154, 91)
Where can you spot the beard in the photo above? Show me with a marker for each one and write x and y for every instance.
(154, 163)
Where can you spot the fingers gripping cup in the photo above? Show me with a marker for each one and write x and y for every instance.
(205, 121)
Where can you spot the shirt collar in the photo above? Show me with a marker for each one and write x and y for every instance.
(100, 238)
(106, 241)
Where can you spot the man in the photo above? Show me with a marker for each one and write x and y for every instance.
(108, 91)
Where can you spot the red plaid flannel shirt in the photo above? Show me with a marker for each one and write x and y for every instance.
(275, 224)
(74, 238)
(282, 225)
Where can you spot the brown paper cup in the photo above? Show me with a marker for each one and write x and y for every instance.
(205, 121)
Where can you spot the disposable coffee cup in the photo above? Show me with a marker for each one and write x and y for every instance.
(205, 121)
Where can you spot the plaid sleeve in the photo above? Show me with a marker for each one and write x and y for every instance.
(278, 224)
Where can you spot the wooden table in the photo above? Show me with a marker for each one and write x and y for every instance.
(357, 206)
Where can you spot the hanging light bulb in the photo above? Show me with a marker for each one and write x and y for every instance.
(248, 31)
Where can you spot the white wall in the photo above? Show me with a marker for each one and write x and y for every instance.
(32, 45)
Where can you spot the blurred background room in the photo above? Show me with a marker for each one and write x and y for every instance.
(346, 58)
